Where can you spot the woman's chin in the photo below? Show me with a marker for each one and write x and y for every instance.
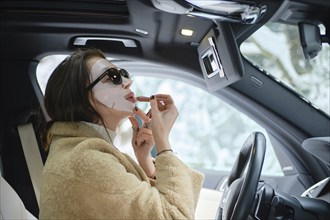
(125, 112)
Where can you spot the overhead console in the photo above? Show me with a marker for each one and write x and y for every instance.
(219, 57)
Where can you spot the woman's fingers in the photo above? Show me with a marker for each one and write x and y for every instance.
(142, 115)
(135, 127)
(135, 124)
(153, 105)
(166, 101)
(141, 135)
(163, 101)
(146, 118)
(164, 114)
(144, 138)
(149, 114)
(143, 99)
(164, 118)
(143, 131)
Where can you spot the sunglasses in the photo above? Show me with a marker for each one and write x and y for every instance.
(114, 74)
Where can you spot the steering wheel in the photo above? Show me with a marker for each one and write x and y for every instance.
(239, 193)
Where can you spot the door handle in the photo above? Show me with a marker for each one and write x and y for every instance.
(81, 41)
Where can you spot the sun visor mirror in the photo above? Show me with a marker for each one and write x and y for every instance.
(220, 59)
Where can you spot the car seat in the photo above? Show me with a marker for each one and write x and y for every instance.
(11, 205)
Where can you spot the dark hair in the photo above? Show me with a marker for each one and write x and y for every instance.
(66, 98)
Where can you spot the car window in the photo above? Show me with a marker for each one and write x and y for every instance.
(208, 133)
(276, 48)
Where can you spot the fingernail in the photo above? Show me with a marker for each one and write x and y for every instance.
(152, 97)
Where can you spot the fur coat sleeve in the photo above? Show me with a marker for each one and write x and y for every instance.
(87, 178)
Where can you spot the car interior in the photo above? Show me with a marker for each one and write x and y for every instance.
(197, 42)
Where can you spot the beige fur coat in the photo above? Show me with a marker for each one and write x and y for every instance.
(85, 177)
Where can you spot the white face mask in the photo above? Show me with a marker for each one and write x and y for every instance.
(111, 95)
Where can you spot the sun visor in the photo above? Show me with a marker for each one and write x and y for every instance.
(220, 59)
(216, 10)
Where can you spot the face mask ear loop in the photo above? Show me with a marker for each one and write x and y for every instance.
(107, 132)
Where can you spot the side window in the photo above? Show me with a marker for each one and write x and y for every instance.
(208, 133)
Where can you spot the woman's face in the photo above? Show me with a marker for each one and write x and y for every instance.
(117, 97)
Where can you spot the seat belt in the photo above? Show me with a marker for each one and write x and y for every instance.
(32, 156)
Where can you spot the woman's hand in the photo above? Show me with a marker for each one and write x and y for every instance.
(163, 113)
(143, 142)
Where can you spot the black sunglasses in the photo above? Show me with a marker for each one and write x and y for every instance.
(114, 75)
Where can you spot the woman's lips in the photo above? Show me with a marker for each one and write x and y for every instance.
(133, 100)
(130, 97)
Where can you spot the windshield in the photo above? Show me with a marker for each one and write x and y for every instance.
(276, 48)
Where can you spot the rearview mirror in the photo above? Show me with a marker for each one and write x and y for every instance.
(310, 39)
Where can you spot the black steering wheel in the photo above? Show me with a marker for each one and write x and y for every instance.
(240, 192)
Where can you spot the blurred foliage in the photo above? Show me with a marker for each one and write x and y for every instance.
(276, 48)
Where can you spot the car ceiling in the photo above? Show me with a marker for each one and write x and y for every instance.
(122, 18)
(61, 20)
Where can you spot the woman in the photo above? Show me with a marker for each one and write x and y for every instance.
(85, 175)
